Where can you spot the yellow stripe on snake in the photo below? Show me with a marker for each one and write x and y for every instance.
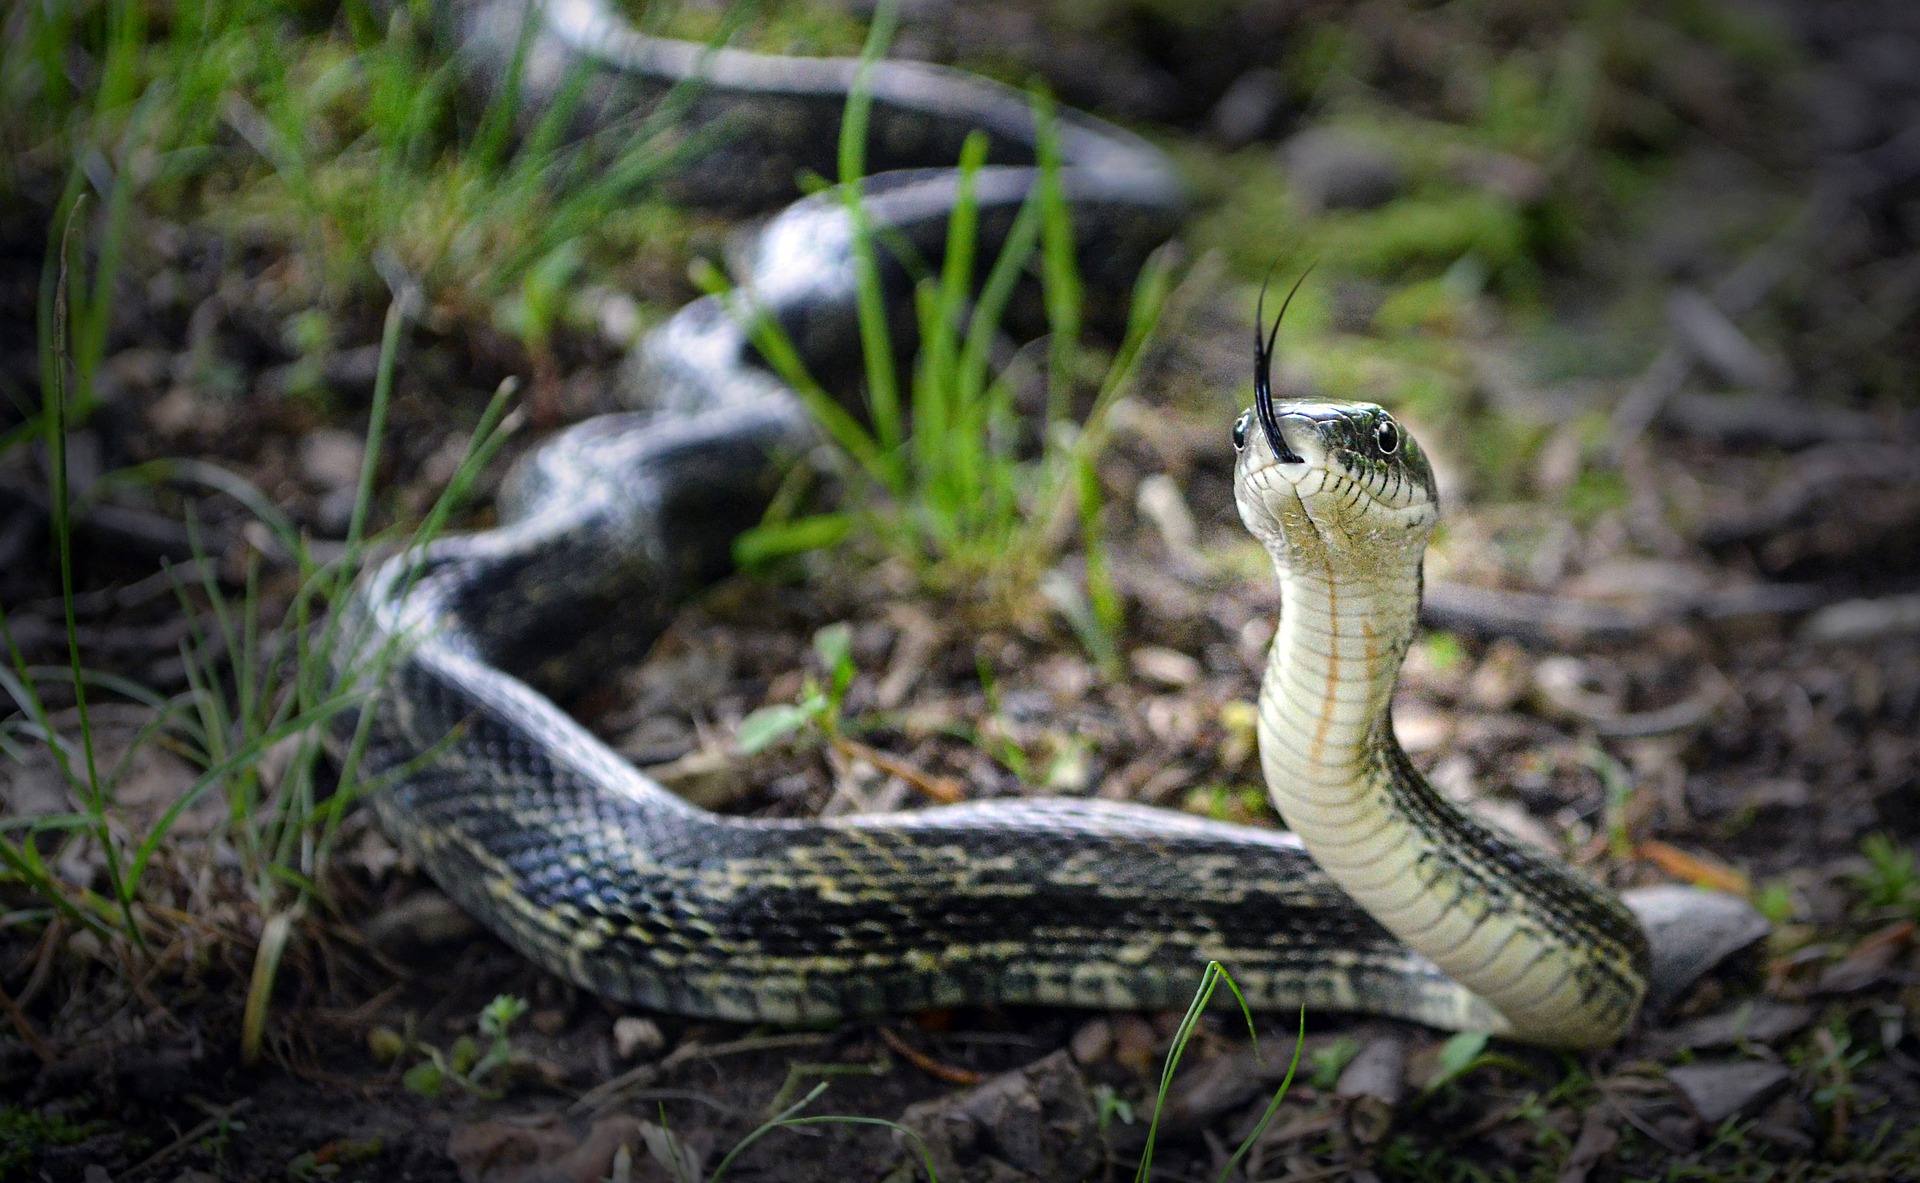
(1383, 898)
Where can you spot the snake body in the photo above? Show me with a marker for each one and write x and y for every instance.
(1403, 907)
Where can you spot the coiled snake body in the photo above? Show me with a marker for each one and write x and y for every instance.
(598, 873)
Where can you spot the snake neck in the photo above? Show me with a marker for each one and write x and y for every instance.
(1327, 697)
(1539, 943)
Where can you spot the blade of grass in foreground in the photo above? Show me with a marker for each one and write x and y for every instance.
(1209, 981)
(787, 1118)
(90, 790)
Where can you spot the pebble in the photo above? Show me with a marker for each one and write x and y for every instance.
(1334, 168)
(1136, 1046)
(1718, 1091)
(1372, 1084)
(1691, 931)
(420, 921)
(1380, 1071)
(1092, 1043)
(1168, 667)
(329, 459)
(1758, 1021)
(1247, 110)
(635, 1038)
(1206, 1089)
(1037, 1122)
(542, 1150)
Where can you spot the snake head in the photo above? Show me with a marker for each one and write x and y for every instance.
(1337, 474)
(1347, 482)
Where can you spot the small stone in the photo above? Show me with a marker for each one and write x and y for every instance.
(1718, 1091)
(353, 369)
(181, 410)
(1247, 110)
(1380, 1070)
(1035, 1123)
(1372, 1084)
(1168, 667)
(418, 922)
(543, 1150)
(1161, 502)
(1334, 168)
(1136, 1046)
(1516, 179)
(1092, 1043)
(636, 1038)
(1758, 1021)
(330, 459)
(1421, 728)
(333, 516)
(1204, 1091)
(1691, 931)
(615, 313)
(550, 1020)
(1502, 677)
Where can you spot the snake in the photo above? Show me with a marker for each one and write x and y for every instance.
(1381, 896)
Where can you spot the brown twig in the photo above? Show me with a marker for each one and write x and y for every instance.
(43, 960)
(943, 789)
(25, 1028)
(951, 1073)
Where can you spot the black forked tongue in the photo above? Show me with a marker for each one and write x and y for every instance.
(1263, 369)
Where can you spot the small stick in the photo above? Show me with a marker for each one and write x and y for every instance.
(24, 1026)
(943, 789)
(952, 1074)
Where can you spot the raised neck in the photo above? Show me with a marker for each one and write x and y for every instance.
(1335, 660)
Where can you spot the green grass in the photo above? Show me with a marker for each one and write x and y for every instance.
(263, 684)
(345, 141)
(1890, 882)
(25, 1135)
(944, 479)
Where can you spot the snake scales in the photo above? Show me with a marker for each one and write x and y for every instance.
(596, 872)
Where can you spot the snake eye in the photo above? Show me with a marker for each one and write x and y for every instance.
(1240, 427)
(1386, 437)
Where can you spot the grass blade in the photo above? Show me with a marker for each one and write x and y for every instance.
(876, 340)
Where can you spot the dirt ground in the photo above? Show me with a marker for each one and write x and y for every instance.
(1674, 635)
